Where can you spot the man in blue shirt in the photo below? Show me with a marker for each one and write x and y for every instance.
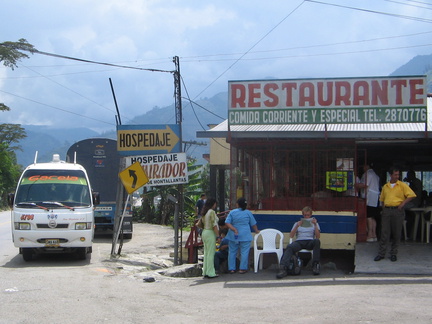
(199, 205)
(221, 254)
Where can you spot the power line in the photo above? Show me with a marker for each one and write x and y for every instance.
(373, 11)
(86, 61)
(245, 53)
(61, 85)
(101, 63)
(327, 54)
(57, 108)
(190, 102)
(411, 5)
(420, 2)
(305, 47)
(197, 104)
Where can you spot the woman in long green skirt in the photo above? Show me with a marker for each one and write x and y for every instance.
(210, 235)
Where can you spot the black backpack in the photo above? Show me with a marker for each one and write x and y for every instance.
(294, 267)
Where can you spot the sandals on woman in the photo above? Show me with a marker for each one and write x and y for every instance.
(240, 271)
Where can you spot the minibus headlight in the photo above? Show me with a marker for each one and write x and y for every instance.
(22, 226)
(83, 226)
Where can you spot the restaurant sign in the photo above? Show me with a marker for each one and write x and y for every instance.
(328, 101)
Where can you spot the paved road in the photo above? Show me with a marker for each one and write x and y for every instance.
(64, 290)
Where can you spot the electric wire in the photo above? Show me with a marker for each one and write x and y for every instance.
(63, 86)
(101, 63)
(196, 116)
(190, 103)
(249, 51)
(372, 11)
(87, 61)
(252, 47)
(185, 59)
(411, 5)
(57, 108)
(198, 58)
(328, 54)
(197, 104)
(421, 2)
(73, 91)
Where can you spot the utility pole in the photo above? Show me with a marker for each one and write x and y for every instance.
(178, 239)
(177, 94)
(188, 144)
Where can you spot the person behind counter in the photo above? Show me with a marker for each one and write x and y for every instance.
(239, 222)
(370, 190)
(416, 185)
(395, 194)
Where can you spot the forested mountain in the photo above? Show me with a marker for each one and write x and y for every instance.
(50, 140)
(419, 65)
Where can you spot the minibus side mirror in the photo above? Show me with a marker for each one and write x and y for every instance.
(96, 198)
(11, 198)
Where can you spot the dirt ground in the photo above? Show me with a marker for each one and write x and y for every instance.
(150, 250)
(149, 254)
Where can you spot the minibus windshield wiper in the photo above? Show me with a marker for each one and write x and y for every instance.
(57, 203)
(30, 204)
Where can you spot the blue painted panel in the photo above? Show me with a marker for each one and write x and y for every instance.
(328, 223)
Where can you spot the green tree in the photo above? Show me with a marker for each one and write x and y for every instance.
(11, 133)
(163, 212)
(9, 168)
(9, 173)
(10, 54)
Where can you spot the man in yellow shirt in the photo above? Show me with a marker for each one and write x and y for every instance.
(394, 196)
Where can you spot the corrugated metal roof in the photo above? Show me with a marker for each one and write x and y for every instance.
(407, 130)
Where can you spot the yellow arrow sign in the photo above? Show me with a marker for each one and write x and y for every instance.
(133, 177)
(147, 139)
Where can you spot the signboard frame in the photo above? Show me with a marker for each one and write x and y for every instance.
(328, 101)
(162, 169)
(148, 139)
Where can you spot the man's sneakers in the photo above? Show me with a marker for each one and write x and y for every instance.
(378, 258)
(282, 273)
(316, 268)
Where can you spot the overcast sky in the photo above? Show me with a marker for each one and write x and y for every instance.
(216, 41)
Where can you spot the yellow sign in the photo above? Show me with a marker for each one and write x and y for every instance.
(133, 177)
(163, 140)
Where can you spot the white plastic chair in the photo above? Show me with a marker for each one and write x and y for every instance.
(269, 245)
(427, 223)
(405, 230)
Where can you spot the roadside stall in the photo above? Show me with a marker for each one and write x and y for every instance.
(293, 143)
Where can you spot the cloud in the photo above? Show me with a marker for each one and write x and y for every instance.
(216, 41)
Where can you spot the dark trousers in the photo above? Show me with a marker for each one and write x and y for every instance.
(296, 246)
(391, 227)
(220, 256)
